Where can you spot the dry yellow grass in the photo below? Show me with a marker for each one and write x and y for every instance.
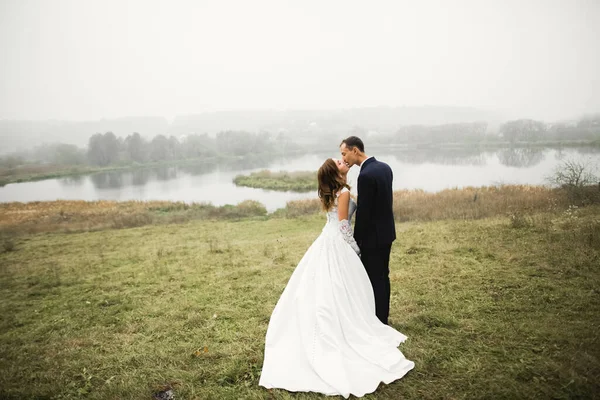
(466, 203)
(475, 203)
(409, 205)
(71, 216)
(48, 214)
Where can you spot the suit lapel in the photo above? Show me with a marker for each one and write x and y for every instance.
(366, 163)
(362, 168)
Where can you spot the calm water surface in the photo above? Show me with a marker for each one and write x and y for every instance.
(430, 170)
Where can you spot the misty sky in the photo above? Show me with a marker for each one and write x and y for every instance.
(85, 59)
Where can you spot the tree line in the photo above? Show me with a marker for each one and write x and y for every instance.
(106, 149)
(521, 130)
(528, 130)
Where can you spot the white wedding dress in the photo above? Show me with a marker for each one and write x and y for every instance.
(323, 335)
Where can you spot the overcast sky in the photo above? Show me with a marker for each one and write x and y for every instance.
(85, 59)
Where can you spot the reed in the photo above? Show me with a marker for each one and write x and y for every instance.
(466, 203)
(409, 205)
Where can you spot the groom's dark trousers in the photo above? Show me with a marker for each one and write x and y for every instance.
(374, 229)
(377, 265)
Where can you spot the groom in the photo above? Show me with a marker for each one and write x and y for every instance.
(374, 229)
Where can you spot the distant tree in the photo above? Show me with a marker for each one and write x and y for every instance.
(588, 127)
(526, 130)
(96, 150)
(284, 143)
(197, 146)
(469, 132)
(561, 131)
(103, 149)
(175, 152)
(136, 148)
(240, 143)
(411, 134)
(263, 143)
(68, 154)
(11, 161)
(159, 148)
(446, 133)
(111, 146)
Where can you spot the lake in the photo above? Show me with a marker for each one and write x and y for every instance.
(427, 169)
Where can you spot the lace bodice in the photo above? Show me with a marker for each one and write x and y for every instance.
(345, 226)
(332, 215)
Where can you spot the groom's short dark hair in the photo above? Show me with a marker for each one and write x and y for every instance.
(352, 142)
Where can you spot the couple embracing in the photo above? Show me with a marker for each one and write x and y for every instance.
(328, 332)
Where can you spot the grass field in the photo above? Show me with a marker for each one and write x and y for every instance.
(500, 307)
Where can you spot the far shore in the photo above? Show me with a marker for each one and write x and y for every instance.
(37, 172)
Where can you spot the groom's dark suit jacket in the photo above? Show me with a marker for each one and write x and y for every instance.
(374, 226)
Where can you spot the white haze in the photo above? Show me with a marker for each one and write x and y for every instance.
(80, 59)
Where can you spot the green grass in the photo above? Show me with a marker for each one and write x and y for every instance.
(302, 181)
(496, 308)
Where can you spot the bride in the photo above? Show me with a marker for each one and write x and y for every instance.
(323, 335)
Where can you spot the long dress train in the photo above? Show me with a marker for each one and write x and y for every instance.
(323, 335)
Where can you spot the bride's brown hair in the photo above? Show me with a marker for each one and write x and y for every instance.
(330, 183)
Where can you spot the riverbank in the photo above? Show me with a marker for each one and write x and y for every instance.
(509, 301)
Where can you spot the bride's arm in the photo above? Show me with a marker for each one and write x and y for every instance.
(345, 228)
(343, 205)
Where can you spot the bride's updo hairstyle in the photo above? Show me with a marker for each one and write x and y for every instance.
(330, 182)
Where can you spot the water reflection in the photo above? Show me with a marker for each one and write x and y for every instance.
(140, 177)
(424, 168)
(524, 157)
(521, 157)
(166, 173)
(108, 180)
(75, 180)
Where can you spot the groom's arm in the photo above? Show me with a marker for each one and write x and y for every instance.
(366, 191)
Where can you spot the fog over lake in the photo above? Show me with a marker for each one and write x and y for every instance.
(426, 169)
(81, 81)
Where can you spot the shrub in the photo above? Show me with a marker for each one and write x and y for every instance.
(579, 180)
(296, 208)
(252, 208)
